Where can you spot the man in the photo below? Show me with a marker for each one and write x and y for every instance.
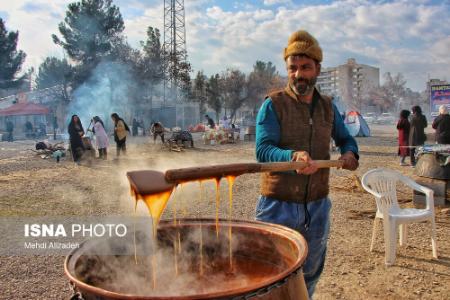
(442, 126)
(296, 124)
(157, 129)
(211, 123)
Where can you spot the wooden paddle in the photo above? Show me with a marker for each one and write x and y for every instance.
(152, 182)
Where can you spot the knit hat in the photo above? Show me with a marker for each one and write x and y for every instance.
(301, 42)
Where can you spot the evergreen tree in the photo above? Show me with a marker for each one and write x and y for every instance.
(52, 72)
(11, 60)
(56, 74)
(213, 93)
(90, 31)
(152, 62)
(199, 91)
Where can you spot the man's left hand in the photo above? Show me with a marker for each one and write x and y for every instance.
(350, 161)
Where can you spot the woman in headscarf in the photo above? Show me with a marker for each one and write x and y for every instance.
(417, 135)
(403, 128)
(76, 133)
(120, 133)
(101, 138)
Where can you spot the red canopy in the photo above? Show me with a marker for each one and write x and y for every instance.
(23, 109)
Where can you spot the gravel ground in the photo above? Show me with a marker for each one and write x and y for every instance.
(31, 186)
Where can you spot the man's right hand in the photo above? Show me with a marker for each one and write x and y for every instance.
(304, 156)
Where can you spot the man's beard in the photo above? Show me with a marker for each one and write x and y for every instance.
(303, 86)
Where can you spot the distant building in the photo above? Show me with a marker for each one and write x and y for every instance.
(351, 82)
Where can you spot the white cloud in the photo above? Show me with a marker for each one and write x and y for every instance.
(275, 2)
(410, 37)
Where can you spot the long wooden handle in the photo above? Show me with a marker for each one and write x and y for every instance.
(219, 171)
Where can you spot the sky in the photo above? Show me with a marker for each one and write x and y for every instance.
(411, 37)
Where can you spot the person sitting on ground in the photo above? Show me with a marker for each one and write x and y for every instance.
(211, 123)
(157, 129)
(442, 126)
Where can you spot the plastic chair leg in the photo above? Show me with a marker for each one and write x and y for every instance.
(374, 232)
(433, 238)
(403, 234)
(390, 241)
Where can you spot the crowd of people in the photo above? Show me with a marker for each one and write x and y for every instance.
(78, 143)
(411, 131)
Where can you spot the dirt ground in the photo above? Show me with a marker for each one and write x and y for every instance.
(31, 186)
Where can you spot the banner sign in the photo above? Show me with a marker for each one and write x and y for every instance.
(439, 95)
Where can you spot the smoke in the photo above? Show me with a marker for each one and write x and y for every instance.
(107, 90)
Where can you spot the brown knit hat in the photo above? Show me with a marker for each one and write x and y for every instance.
(301, 42)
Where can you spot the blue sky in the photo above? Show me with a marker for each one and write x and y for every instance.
(407, 36)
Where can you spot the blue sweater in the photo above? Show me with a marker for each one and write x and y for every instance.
(268, 135)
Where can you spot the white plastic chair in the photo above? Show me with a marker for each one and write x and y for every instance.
(382, 184)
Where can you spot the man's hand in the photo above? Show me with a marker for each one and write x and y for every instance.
(304, 156)
(350, 161)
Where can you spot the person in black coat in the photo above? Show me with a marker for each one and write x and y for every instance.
(10, 129)
(76, 133)
(417, 135)
(442, 126)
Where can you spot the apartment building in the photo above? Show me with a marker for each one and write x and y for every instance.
(351, 82)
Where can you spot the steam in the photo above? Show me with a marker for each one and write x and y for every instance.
(257, 260)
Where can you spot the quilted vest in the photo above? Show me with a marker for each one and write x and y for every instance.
(301, 132)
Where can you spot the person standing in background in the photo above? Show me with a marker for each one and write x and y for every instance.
(442, 126)
(10, 129)
(76, 133)
(210, 121)
(121, 130)
(403, 128)
(101, 138)
(417, 135)
(135, 127)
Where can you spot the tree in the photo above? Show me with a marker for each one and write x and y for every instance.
(53, 71)
(56, 74)
(90, 30)
(11, 60)
(233, 87)
(391, 94)
(213, 93)
(152, 61)
(199, 91)
(261, 80)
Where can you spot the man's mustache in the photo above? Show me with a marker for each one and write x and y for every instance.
(303, 80)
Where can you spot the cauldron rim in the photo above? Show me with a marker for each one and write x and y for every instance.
(295, 237)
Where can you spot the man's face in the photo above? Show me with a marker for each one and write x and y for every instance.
(302, 74)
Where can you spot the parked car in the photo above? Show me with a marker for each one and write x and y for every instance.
(386, 118)
(370, 117)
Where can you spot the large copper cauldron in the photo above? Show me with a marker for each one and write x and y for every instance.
(267, 257)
